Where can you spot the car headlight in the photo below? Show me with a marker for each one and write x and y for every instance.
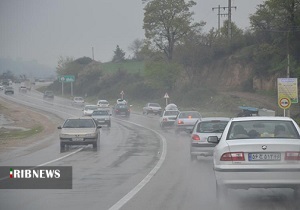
(63, 135)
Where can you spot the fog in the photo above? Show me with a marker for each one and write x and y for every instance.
(44, 30)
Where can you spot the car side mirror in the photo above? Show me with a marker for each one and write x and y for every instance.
(213, 139)
(59, 127)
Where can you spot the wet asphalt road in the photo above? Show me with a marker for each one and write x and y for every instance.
(138, 166)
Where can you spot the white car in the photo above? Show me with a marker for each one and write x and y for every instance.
(257, 152)
(168, 118)
(121, 101)
(103, 104)
(88, 109)
(78, 101)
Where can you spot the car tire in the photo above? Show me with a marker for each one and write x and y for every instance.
(62, 147)
(109, 124)
(162, 126)
(221, 194)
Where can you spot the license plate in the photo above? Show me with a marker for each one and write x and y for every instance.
(77, 139)
(264, 156)
(123, 112)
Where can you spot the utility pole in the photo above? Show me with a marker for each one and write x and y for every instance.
(229, 17)
(93, 53)
(219, 14)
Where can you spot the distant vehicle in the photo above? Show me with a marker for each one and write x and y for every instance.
(103, 104)
(48, 94)
(205, 127)
(152, 108)
(102, 117)
(22, 89)
(8, 90)
(247, 111)
(1, 87)
(186, 120)
(168, 118)
(171, 107)
(257, 152)
(121, 110)
(121, 101)
(79, 131)
(78, 101)
(88, 109)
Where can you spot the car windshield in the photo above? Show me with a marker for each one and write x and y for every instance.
(211, 126)
(100, 112)
(189, 115)
(258, 129)
(171, 113)
(154, 105)
(79, 123)
(122, 106)
(78, 99)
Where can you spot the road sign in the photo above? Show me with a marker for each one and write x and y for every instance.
(288, 88)
(66, 78)
(122, 94)
(166, 95)
(284, 103)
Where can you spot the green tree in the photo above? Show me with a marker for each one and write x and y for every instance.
(119, 55)
(167, 22)
(276, 23)
(136, 47)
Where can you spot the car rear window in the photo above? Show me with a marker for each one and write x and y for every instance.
(256, 129)
(154, 105)
(211, 126)
(171, 113)
(100, 112)
(79, 123)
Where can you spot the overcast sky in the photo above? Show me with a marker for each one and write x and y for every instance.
(43, 30)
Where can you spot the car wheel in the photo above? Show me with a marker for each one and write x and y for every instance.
(109, 124)
(62, 147)
(221, 193)
(95, 145)
(162, 126)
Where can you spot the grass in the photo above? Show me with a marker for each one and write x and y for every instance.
(6, 134)
(130, 66)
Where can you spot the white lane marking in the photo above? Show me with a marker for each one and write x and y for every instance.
(142, 184)
(55, 160)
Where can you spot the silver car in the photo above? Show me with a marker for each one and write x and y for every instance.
(152, 108)
(79, 131)
(186, 120)
(258, 152)
(208, 126)
(102, 117)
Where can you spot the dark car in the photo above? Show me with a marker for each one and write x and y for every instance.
(48, 95)
(121, 110)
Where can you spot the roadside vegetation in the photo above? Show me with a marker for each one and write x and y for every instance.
(177, 57)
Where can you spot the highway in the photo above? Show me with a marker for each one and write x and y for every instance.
(138, 166)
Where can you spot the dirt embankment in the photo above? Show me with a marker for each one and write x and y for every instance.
(22, 126)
